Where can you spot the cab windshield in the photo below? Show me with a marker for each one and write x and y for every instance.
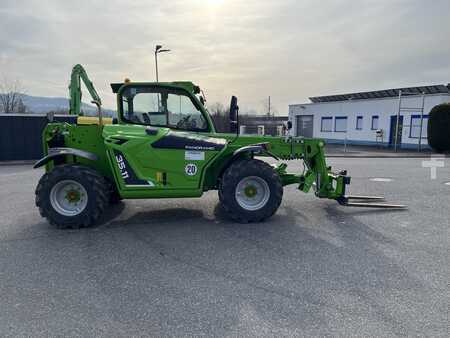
(162, 107)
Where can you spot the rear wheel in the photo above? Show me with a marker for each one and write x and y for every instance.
(250, 191)
(72, 196)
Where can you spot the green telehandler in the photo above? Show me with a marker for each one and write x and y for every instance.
(163, 144)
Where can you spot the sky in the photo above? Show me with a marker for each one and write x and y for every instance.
(287, 49)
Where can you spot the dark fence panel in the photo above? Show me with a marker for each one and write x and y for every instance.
(21, 135)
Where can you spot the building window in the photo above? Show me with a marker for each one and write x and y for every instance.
(375, 119)
(359, 122)
(340, 124)
(414, 131)
(326, 124)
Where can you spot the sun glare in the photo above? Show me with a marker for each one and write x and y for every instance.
(215, 2)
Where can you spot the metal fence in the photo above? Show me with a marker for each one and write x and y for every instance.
(21, 135)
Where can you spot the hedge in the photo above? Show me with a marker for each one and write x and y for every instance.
(439, 128)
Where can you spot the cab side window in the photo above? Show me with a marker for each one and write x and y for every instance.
(183, 114)
(163, 108)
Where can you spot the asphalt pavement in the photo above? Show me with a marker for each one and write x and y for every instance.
(182, 268)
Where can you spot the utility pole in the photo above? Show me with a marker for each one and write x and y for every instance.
(158, 49)
(398, 119)
(156, 63)
(268, 113)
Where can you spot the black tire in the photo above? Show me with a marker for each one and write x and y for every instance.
(114, 196)
(97, 189)
(229, 183)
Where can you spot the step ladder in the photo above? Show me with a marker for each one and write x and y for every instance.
(420, 110)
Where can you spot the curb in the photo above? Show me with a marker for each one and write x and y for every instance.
(25, 162)
(377, 156)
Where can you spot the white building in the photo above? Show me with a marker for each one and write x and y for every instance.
(355, 118)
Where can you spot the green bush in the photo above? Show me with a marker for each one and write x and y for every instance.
(439, 128)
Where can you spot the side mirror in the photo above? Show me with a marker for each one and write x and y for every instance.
(234, 115)
(289, 125)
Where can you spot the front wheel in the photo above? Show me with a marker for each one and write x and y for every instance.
(250, 191)
(72, 196)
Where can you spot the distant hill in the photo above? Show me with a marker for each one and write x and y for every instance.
(42, 104)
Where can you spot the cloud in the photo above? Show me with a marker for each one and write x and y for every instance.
(286, 49)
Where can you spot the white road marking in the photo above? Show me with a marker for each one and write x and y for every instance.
(381, 179)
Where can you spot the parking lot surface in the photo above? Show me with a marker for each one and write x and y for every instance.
(181, 268)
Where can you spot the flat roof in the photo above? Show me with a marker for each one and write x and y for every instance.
(377, 94)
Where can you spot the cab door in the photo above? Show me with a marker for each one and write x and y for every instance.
(160, 148)
(159, 158)
(183, 156)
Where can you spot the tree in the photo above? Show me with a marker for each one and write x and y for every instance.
(220, 117)
(21, 108)
(438, 128)
(11, 95)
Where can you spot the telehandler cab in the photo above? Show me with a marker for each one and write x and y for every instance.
(163, 144)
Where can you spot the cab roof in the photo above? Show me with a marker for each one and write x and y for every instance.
(187, 85)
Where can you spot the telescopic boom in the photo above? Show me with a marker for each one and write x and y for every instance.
(78, 75)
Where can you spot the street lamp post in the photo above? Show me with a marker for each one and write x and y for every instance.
(158, 49)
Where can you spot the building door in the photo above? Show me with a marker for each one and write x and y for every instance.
(393, 128)
(305, 124)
